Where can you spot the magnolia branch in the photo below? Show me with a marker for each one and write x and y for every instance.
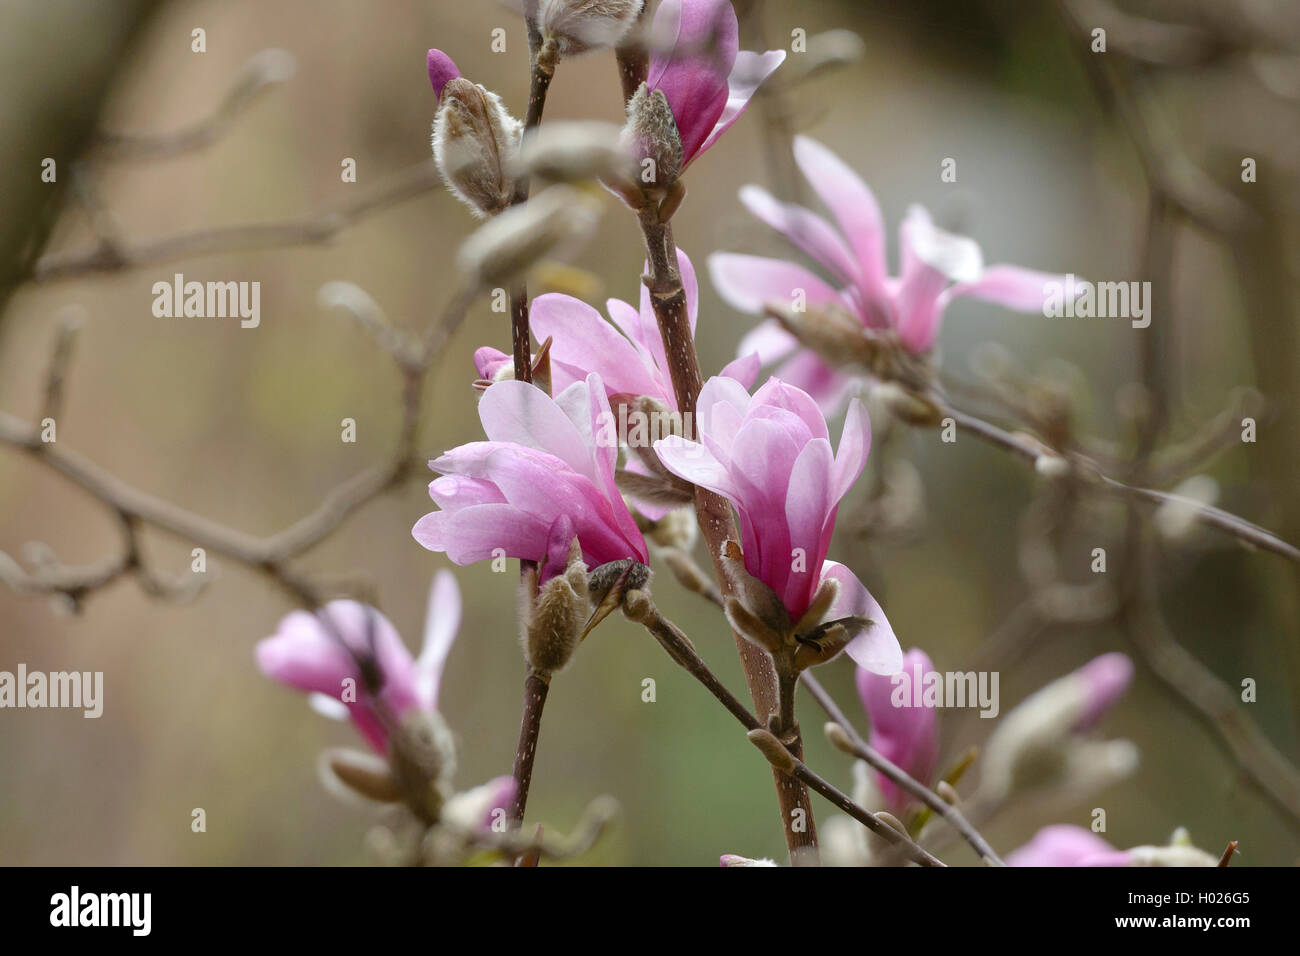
(640, 608)
(849, 740)
(273, 555)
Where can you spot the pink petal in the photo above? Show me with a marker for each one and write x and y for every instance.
(851, 456)
(692, 462)
(828, 387)
(746, 77)
(1062, 844)
(1023, 290)
(854, 207)
(582, 341)
(441, 70)
(906, 735)
(744, 369)
(877, 648)
(809, 508)
(441, 622)
(523, 414)
(747, 283)
(694, 83)
(805, 230)
(771, 341)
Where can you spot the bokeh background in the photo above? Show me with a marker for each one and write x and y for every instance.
(243, 425)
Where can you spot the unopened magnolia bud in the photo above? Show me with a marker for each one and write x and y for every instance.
(422, 759)
(839, 737)
(475, 139)
(509, 244)
(677, 529)
(570, 152)
(558, 615)
(365, 774)
(731, 859)
(652, 139)
(576, 26)
(775, 752)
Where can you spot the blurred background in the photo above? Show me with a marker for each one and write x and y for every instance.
(242, 426)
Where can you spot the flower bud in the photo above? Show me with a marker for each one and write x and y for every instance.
(651, 138)
(512, 242)
(570, 152)
(474, 139)
(557, 617)
(1038, 742)
(422, 759)
(731, 859)
(576, 26)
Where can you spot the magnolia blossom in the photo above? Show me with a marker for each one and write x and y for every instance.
(770, 456)
(1044, 741)
(323, 654)
(698, 66)
(936, 267)
(1066, 845)
(627, 354)
(904, 734)
(544, 475)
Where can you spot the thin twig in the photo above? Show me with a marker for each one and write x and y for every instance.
(864, 751)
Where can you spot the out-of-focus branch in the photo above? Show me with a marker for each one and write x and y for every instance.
(273, 555)
(858, 747)
(259, 73)
(113, 255)
(783, 760)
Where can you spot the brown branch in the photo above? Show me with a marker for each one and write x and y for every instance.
(668, 300)
(859, 748)
(116, 255)
(786, 763)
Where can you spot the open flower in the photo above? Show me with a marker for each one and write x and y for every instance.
(698, 84)
(903, 733)
(353, 662)
(544, 475)
(770, 456)
(1043, 741)
(627, 354)
(936, 268)
(1064, 844)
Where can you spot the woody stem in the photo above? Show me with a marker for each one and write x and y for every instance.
(542, 65)
(668, 299)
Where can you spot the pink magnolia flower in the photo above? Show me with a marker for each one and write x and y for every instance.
(901, 731)
(936, 268)
(545, 474)
(348, 641)
(442, 70)
(701, 70)
(770, 456)
(628, 354)
(1067, 845)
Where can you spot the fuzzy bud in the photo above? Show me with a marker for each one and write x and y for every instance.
(570, 152)
(511, 243)
(652, 139)
(556, 620)
(576, 26)
(422, 759)
(475, 140)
